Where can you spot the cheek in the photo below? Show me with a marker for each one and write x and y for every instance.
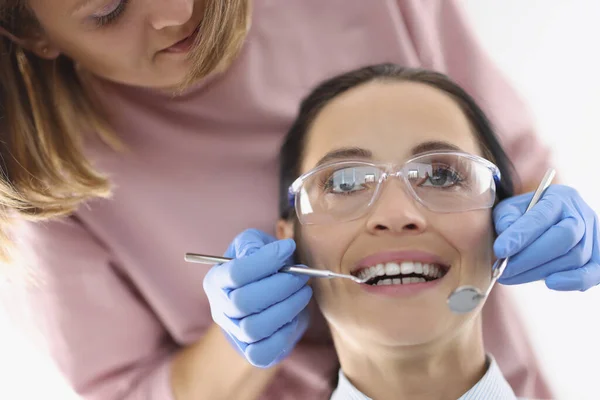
(113, 53)
(472, 235)
(117, 57)
(323, 246)
(119, 52)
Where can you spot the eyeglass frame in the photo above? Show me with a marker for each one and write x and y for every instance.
(294, 188)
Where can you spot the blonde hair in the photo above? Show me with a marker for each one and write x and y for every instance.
(45, 108)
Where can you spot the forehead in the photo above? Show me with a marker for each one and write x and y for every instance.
(64, 7)
(58, 18)
(389, 119)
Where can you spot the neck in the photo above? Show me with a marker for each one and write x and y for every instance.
(442, 370)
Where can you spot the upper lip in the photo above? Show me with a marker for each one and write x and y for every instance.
(399, 256)
(185, 37)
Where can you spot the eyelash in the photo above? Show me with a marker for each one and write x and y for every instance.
(113, 16)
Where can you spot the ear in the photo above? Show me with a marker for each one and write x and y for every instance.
(44, 49)
(285, 229)
(40, 46)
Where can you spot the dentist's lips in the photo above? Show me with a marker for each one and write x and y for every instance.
(184, 45)
(401, 273)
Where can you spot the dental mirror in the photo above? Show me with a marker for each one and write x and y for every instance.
(466, 298)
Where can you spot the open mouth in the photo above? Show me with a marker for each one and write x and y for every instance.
(401, 273)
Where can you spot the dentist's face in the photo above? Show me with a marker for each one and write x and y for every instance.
(137, 42)
(389, 122)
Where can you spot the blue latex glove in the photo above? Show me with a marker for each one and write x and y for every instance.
(558, 240)
(263, 312)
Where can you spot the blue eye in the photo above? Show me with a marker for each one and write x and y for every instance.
(442, 177)
(110, 13)
(349, 180)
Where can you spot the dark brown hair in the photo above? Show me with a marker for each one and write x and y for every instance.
(290, 156)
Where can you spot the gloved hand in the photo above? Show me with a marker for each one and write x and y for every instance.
(557, 240)
(263, 312)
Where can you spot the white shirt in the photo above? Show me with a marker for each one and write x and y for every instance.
(492, 386)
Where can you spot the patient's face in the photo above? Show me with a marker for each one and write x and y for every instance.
(390, 119)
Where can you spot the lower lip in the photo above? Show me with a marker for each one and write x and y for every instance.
(183, 46)
(402, 290)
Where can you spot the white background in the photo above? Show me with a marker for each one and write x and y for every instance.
(550, 50)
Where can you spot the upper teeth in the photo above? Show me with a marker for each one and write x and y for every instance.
(405, 268)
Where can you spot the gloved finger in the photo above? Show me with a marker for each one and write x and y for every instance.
(567, 262)
(270, 351)
(240, 346)
(575, 258)
(530, 226)
(567, 236)
(578, 279)
(262, 325)
(263, 262)
(260, 295)
(509, 210)
(247, 243)
(217, 297)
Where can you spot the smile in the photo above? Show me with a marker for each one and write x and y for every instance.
(401, 273)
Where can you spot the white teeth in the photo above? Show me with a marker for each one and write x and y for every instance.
(404, 268)
(392, 268)
(407, 267)
(401, 281)
(418, 268)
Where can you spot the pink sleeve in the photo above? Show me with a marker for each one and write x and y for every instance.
(445, 42)
(100, 333)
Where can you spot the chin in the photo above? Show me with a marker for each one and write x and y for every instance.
(168, 76)
(149, 80)
(397, 327)
(415, 331)
(176, 81)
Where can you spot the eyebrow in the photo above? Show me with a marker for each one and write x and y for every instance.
(358, 152)
(345, 152)
(434, 146)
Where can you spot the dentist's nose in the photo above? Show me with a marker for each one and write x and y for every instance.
(166, 13)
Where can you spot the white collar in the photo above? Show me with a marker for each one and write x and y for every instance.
(492, 386)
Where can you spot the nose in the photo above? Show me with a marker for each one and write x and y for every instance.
(165, 13)
(396, 212)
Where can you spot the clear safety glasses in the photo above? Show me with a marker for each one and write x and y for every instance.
(445, 182)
